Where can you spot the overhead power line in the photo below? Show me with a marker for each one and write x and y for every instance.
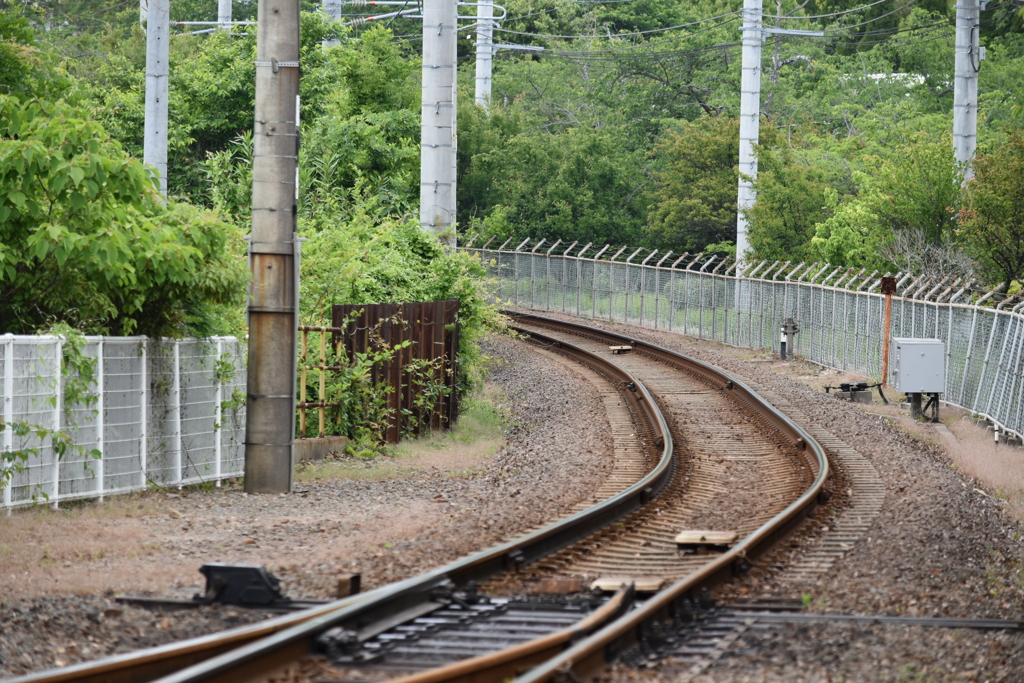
(824, 16)
(620, 35)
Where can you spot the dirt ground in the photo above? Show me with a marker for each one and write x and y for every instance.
(948, 541)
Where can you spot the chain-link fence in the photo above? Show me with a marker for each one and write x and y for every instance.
(839, 312)
(169, 413)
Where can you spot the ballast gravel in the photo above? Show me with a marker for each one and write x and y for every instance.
(942, 545)
(558, 449)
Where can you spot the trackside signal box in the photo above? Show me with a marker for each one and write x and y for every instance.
(917, 366)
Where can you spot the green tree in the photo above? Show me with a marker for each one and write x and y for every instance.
(84, 239)
(577, 185)
(696, 186)
(918, 188)
(791, 201)
(992, 219)
(849, 237)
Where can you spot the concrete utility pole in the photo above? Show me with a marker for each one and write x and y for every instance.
(224, 15)
(154, 138)
(750, 121)
(437, 133)
(332, 8)
(270, 411)
(484, 51)
(965, 84)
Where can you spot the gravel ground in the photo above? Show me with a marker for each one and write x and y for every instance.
(559, 447)
(942, 545)
(61, 630)
(854, 653)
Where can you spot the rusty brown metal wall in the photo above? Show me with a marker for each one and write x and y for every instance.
(433, 328)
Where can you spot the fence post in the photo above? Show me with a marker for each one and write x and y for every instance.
(1009, 377)
(515, 255)
(547, 278)
(672, 291)
(970, 341)
(700, 300)
(988, 353)
(218, 412)
(533, 275)
(8, 434)
(57, 408)
(578, 260)
(1015, 391)
(101, 392)
(643, 284)
(593, 301)
(176, 414)
(629, 286)
(144, 413)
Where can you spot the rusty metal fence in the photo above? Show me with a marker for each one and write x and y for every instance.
(419, 370)
(839, 311)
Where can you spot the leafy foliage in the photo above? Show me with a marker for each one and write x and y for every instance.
(696, 195)
(992, 219)
(84, 240)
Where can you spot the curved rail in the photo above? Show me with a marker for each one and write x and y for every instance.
(402, 600)
(590, 654)
(234, 654)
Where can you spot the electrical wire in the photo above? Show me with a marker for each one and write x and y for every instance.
(871, 21)
(824, 16)
(644, 46)
(620, 35)
(614, 56)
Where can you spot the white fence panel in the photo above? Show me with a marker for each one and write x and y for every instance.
(166, 412)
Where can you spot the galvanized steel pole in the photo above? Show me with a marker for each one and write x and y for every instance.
(750, 113)
(273, 295)
(437, 136)
(154, 137)
(484, 52)
(332, 8)
(224, 15)
(965, 83)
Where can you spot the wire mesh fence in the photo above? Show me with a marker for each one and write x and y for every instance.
(840, 313)
(169, 413)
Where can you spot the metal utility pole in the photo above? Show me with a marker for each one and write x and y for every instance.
(965, 83)
(437, 133)
(224, 15)
(750, 120)
(332, 8)
(484, 51)
(270, 411)
(154, 145)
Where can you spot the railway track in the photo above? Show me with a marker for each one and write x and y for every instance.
(729, 463)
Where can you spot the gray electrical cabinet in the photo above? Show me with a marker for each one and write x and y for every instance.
(917, 366)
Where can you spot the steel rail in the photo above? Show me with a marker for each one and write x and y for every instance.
(151, 663)
(260, 647)
(591, 654)
(257, 658)
(402, 597)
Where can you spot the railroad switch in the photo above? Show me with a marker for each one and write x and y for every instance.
(620, 349)
(240, 584)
